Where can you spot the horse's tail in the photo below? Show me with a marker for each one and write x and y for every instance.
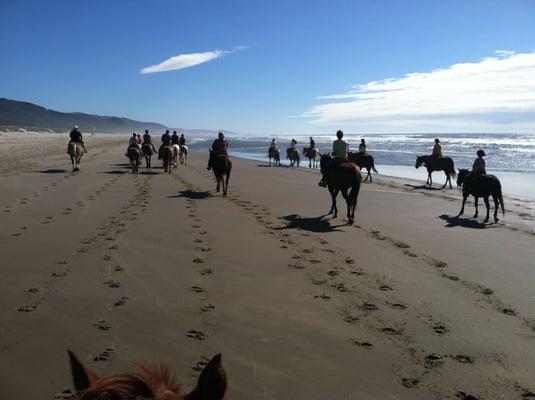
(453, 173)
(355, 183)
(373, 168)
(500, 199)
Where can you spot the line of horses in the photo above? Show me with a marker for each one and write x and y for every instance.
(171, 155)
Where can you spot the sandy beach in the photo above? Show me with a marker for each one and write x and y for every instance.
(408, 303)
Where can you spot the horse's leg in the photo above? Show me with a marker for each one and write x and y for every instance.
(334, 208)
(465, 196)
(486, 200)
(348, 203)
(496, 206)
(475, 203)
(217, 178)
(226, 184)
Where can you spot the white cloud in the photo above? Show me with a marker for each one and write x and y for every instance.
(187, 60)
(494, 94)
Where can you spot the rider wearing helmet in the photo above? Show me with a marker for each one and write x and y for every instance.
(135, 141)
(174, 138)
(340, 150)
(478, 168)
(147, 140)
(219, 147)
(76, 137)
(362, 147)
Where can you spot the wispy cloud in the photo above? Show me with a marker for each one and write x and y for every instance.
(497, 93)
(188, 60)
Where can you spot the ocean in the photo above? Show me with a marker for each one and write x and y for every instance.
(511, 157)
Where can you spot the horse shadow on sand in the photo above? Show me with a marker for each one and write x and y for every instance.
(53, 171)
(315, 224)
(455, 220)
(425, 187)
(191, 194)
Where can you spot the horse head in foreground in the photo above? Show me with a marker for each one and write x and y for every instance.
(437, 164)
(483, 185)
(156, 382)
(343, 177)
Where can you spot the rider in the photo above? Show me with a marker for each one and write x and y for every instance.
(437, 149)
(219, 147)
(478, 168)
(182, 140)
(340, 149)
(166, 141)
(311, 145)
(272, 146)
(362, 147)
(76, 137)
(134, 142)
(293, 144)
(174, 138)
(147, 140)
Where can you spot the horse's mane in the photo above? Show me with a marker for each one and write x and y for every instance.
(152, 381)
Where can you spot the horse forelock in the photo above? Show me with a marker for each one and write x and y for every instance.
(161, 378)
(118, 387)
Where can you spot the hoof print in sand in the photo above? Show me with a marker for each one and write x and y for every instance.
(121, 301)
(295, 266)
(32, 290)
(67, 394)
(102, 325)
(349, 260)
(487, 291)
(440, 329)
(118, 268)
(360, 343)
(199, 365)
(410, 383)
(409, 253)
(509, 311)
(206, 248)
(527, 395)
(322, 296)
(368, 307)
(390, 331)
(207, 271)
(318, 281)
(197, 335)
(26, 308)
(59, 274)
(385, 288)
(198, 260)
(112, 284)
(332, 272)
(105, 355)
(464, 359)
(398, 306)
(207, 307)
(465, 396)
(197, 289)
(433, 360)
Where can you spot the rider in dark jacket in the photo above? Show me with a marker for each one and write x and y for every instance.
(182, 140)
(76, 137)
(147, 140)
(174, 138)
(219, 147)
(166, 141)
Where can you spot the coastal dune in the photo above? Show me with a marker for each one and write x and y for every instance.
(408, 303)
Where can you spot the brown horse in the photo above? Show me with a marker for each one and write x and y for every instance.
(437, 164)
(293, 156)
(134, 154)
(76, 151)
(157, 382)
(274, 154)
(167, 158)
(222, 166)
(341, 178)
(313, 156)
(363, 161)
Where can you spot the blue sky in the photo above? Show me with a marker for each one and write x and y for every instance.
(305, 66)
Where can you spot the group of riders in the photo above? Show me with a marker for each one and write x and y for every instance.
(340, 148)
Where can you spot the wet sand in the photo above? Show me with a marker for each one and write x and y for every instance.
(409, 303)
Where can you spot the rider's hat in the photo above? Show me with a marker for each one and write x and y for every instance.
(481, 153)
(436, 140)
(339, 134)
(75, 127)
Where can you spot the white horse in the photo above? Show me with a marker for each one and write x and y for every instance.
(176, 152)
(183, 154)
(76, 151)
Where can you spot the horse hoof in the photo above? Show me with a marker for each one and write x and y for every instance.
(486, 220)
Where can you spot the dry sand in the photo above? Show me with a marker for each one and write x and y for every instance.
(407, 304)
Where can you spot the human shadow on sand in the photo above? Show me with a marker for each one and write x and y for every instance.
(315, 224)
(425, 187)
(53, 171)
(454, 220)
(190, 194)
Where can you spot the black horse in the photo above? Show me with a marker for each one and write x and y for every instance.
(344, 176)
(363, 161)
(481, 186)
(437, 164)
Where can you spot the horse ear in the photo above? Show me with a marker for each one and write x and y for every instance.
(212, 383)
(82, 376)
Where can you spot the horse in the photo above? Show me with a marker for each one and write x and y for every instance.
(481, 186)
(363, 161)
(134, 154)
(222, 166)
(313, 156)
(76, 151)
(151, 381)
(274, 154)
(167, 158)
(183, 154)
(344, 177)
(293, 156)
(176, 154)
(147, 153)
(437, 164)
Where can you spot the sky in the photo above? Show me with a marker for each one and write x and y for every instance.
(278, 67)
